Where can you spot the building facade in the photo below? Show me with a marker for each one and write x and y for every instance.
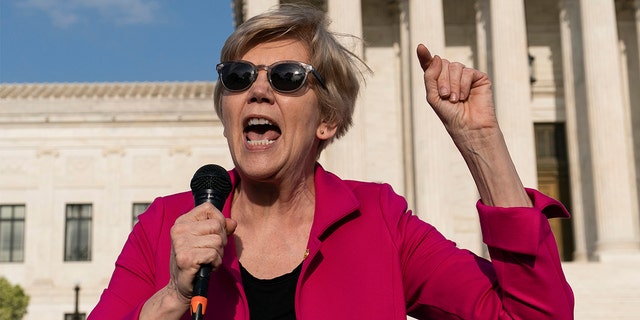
(79, 161)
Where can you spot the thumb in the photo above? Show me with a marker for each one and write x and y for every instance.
(424, 57)
(230, 226)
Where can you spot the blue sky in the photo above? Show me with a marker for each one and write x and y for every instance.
(111, 40)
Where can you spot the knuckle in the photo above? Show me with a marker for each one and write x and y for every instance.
(174, 232)
(182, 259)
(218, 241)
(208, 206)
(217, 226)
(177, 230)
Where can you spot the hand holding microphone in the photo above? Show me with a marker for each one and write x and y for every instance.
(212, 184)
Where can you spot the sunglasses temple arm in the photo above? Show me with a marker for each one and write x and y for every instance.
(320, 80)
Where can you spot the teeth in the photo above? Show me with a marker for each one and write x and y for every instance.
(259, 121)
(260, 142)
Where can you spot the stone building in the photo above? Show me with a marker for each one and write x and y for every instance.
(80, 160)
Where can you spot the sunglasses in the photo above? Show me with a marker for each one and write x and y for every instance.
(284, 76)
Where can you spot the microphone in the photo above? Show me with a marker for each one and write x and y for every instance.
(210, 183)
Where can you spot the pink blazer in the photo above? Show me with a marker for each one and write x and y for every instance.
(370, 258)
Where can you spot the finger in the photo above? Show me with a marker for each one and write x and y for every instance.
(206, 211)
(431, 79)
(201, 212)
(207, 247)
(468, 76)
(444, 82)
(201, 248)
(230, 226)
(191, 260)
(214, 225)
(191, 251)
(455, 79)
(424, 56)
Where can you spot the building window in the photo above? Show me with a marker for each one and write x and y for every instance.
(12, 233)
(74, 316)
(77, 245)
(136, 210)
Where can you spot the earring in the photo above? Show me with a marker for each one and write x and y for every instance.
(321, 131)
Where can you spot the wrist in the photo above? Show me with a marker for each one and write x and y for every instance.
(473, 141)
(167, 303)
(493, 170)
(176, 294)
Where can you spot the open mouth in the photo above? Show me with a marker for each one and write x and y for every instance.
(260, 132)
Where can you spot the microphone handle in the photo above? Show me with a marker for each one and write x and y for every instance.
(200, 287)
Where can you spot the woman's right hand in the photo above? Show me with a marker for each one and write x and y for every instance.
(197, 237)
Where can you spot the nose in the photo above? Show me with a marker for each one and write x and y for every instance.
(260, 90)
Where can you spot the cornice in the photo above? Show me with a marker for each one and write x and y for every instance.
(107, 90)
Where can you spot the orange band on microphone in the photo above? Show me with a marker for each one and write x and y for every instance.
(198, 301)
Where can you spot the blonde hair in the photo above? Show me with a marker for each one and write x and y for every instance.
(341, 70)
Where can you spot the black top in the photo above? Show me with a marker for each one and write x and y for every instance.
(271, 299)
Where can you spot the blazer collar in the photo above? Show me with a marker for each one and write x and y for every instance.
(335, 202)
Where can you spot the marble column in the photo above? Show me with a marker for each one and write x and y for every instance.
(430, 140)
(345, 156)
(637, 20)
(483, 28)
(612, 159)
(635, 100)
(406, 57)
(512, 90)
(578, 149)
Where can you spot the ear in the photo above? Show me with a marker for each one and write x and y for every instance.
(326, 130)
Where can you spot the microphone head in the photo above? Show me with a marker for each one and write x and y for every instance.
(211, 183)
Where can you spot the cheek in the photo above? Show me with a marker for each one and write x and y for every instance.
(226, 116)
(228, 128)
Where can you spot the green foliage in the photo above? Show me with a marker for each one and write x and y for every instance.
(13, 301)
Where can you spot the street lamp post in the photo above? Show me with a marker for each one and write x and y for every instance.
(76, 314)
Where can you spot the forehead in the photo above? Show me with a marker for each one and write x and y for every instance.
(266, 53)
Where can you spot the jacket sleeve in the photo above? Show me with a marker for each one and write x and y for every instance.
(523, 280)
(133, 280)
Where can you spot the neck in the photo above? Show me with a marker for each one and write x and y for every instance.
(289, 199)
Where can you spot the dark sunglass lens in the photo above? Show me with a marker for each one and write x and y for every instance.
(237, 76)
(287, 77)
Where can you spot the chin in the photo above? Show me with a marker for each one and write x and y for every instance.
(258, 171)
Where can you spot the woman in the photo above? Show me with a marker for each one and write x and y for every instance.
(296, 241)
